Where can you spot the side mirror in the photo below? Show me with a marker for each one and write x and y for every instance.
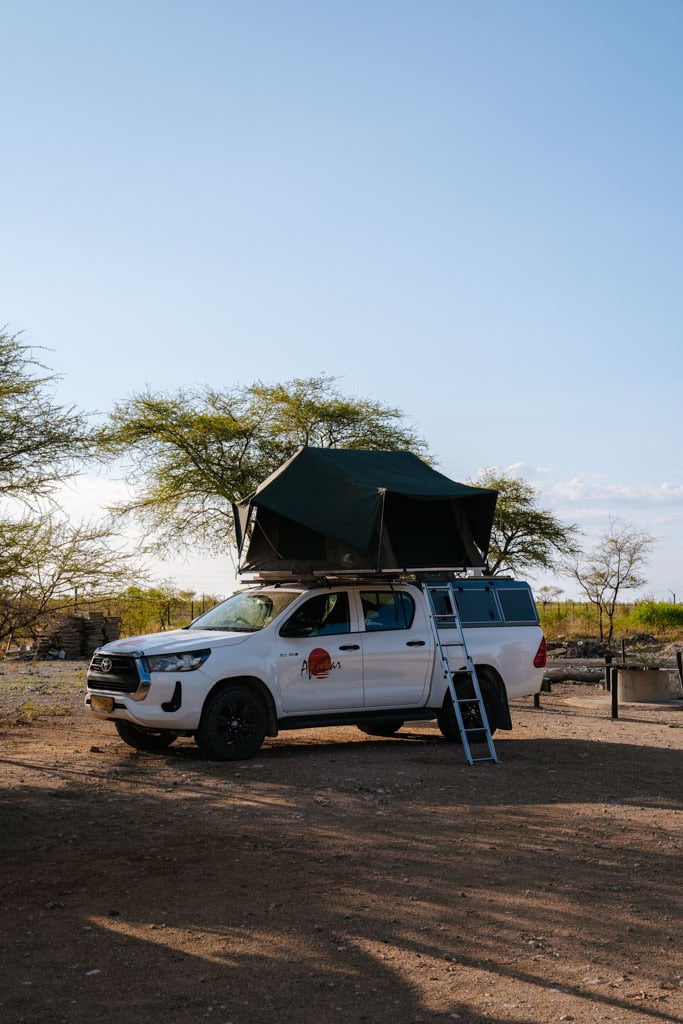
(296, 631)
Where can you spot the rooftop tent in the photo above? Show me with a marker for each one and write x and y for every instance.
(330, 509)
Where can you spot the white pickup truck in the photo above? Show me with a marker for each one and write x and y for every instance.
(293, 656)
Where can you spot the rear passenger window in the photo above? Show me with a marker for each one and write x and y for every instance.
(477, 606)
(517, 605)
(386, 609)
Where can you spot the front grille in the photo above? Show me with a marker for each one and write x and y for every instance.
(121, 677)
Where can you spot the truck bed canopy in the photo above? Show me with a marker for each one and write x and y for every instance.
(330, 509)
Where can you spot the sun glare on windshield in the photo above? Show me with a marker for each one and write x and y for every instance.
(246, 612)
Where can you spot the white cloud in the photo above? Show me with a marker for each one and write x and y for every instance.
(534, 474)
(589, 489)
(526, 470)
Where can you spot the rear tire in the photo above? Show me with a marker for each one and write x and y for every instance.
(151, 740)
(471, 718)
(381, 727)
(233, 724)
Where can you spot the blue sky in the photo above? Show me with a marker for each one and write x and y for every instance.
(471, 210)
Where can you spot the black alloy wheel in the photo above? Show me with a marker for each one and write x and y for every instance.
(233, 724)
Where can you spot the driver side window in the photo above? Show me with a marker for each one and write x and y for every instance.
(322, 615)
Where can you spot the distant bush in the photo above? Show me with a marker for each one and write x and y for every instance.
(567, 620)
(658, 615)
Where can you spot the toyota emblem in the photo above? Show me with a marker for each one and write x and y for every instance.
(106, 665)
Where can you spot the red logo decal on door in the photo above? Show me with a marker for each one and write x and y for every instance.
(319, 664)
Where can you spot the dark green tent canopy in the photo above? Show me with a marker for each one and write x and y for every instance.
(330, 509)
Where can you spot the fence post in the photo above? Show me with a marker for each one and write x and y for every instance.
(615, 692)
(608, 663)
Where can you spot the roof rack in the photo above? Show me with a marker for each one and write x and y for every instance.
(330, 577)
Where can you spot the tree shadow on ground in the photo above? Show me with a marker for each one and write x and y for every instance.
(367, 880)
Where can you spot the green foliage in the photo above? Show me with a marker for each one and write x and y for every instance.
(45, 561)
(191, 454)
(574, 619)
(153, 609)
(44, 557)
(525, 536)
(39, 439)
(658, 616)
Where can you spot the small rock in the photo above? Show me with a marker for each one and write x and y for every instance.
(95, 750)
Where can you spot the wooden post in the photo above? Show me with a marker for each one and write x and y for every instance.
(615, 692)
(608, 669)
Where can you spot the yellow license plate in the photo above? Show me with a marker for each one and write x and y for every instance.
(101, 703)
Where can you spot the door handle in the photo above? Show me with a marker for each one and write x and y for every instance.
(415, 643)
(349, 647)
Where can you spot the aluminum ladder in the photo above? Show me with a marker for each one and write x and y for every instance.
(442, 608)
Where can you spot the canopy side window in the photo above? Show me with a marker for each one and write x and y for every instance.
(518, 605)
(477, 606)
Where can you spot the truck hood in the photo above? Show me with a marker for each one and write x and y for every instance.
(175, 640)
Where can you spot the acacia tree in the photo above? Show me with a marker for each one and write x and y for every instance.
(46, 561)
(44, 557)
(615, 564)
(40, 440)
(525, 535)
(191, 453)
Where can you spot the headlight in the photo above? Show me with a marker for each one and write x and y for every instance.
(188, 661)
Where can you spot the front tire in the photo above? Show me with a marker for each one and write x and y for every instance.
(233, 724)
(150, 740)
(471, 718)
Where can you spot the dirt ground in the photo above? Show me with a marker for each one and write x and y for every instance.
(336, 877)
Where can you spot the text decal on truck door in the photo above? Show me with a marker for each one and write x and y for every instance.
(319, 664)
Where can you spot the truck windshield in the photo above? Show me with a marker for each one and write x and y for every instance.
(245, 612)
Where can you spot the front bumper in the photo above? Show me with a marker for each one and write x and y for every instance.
(126, 690)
